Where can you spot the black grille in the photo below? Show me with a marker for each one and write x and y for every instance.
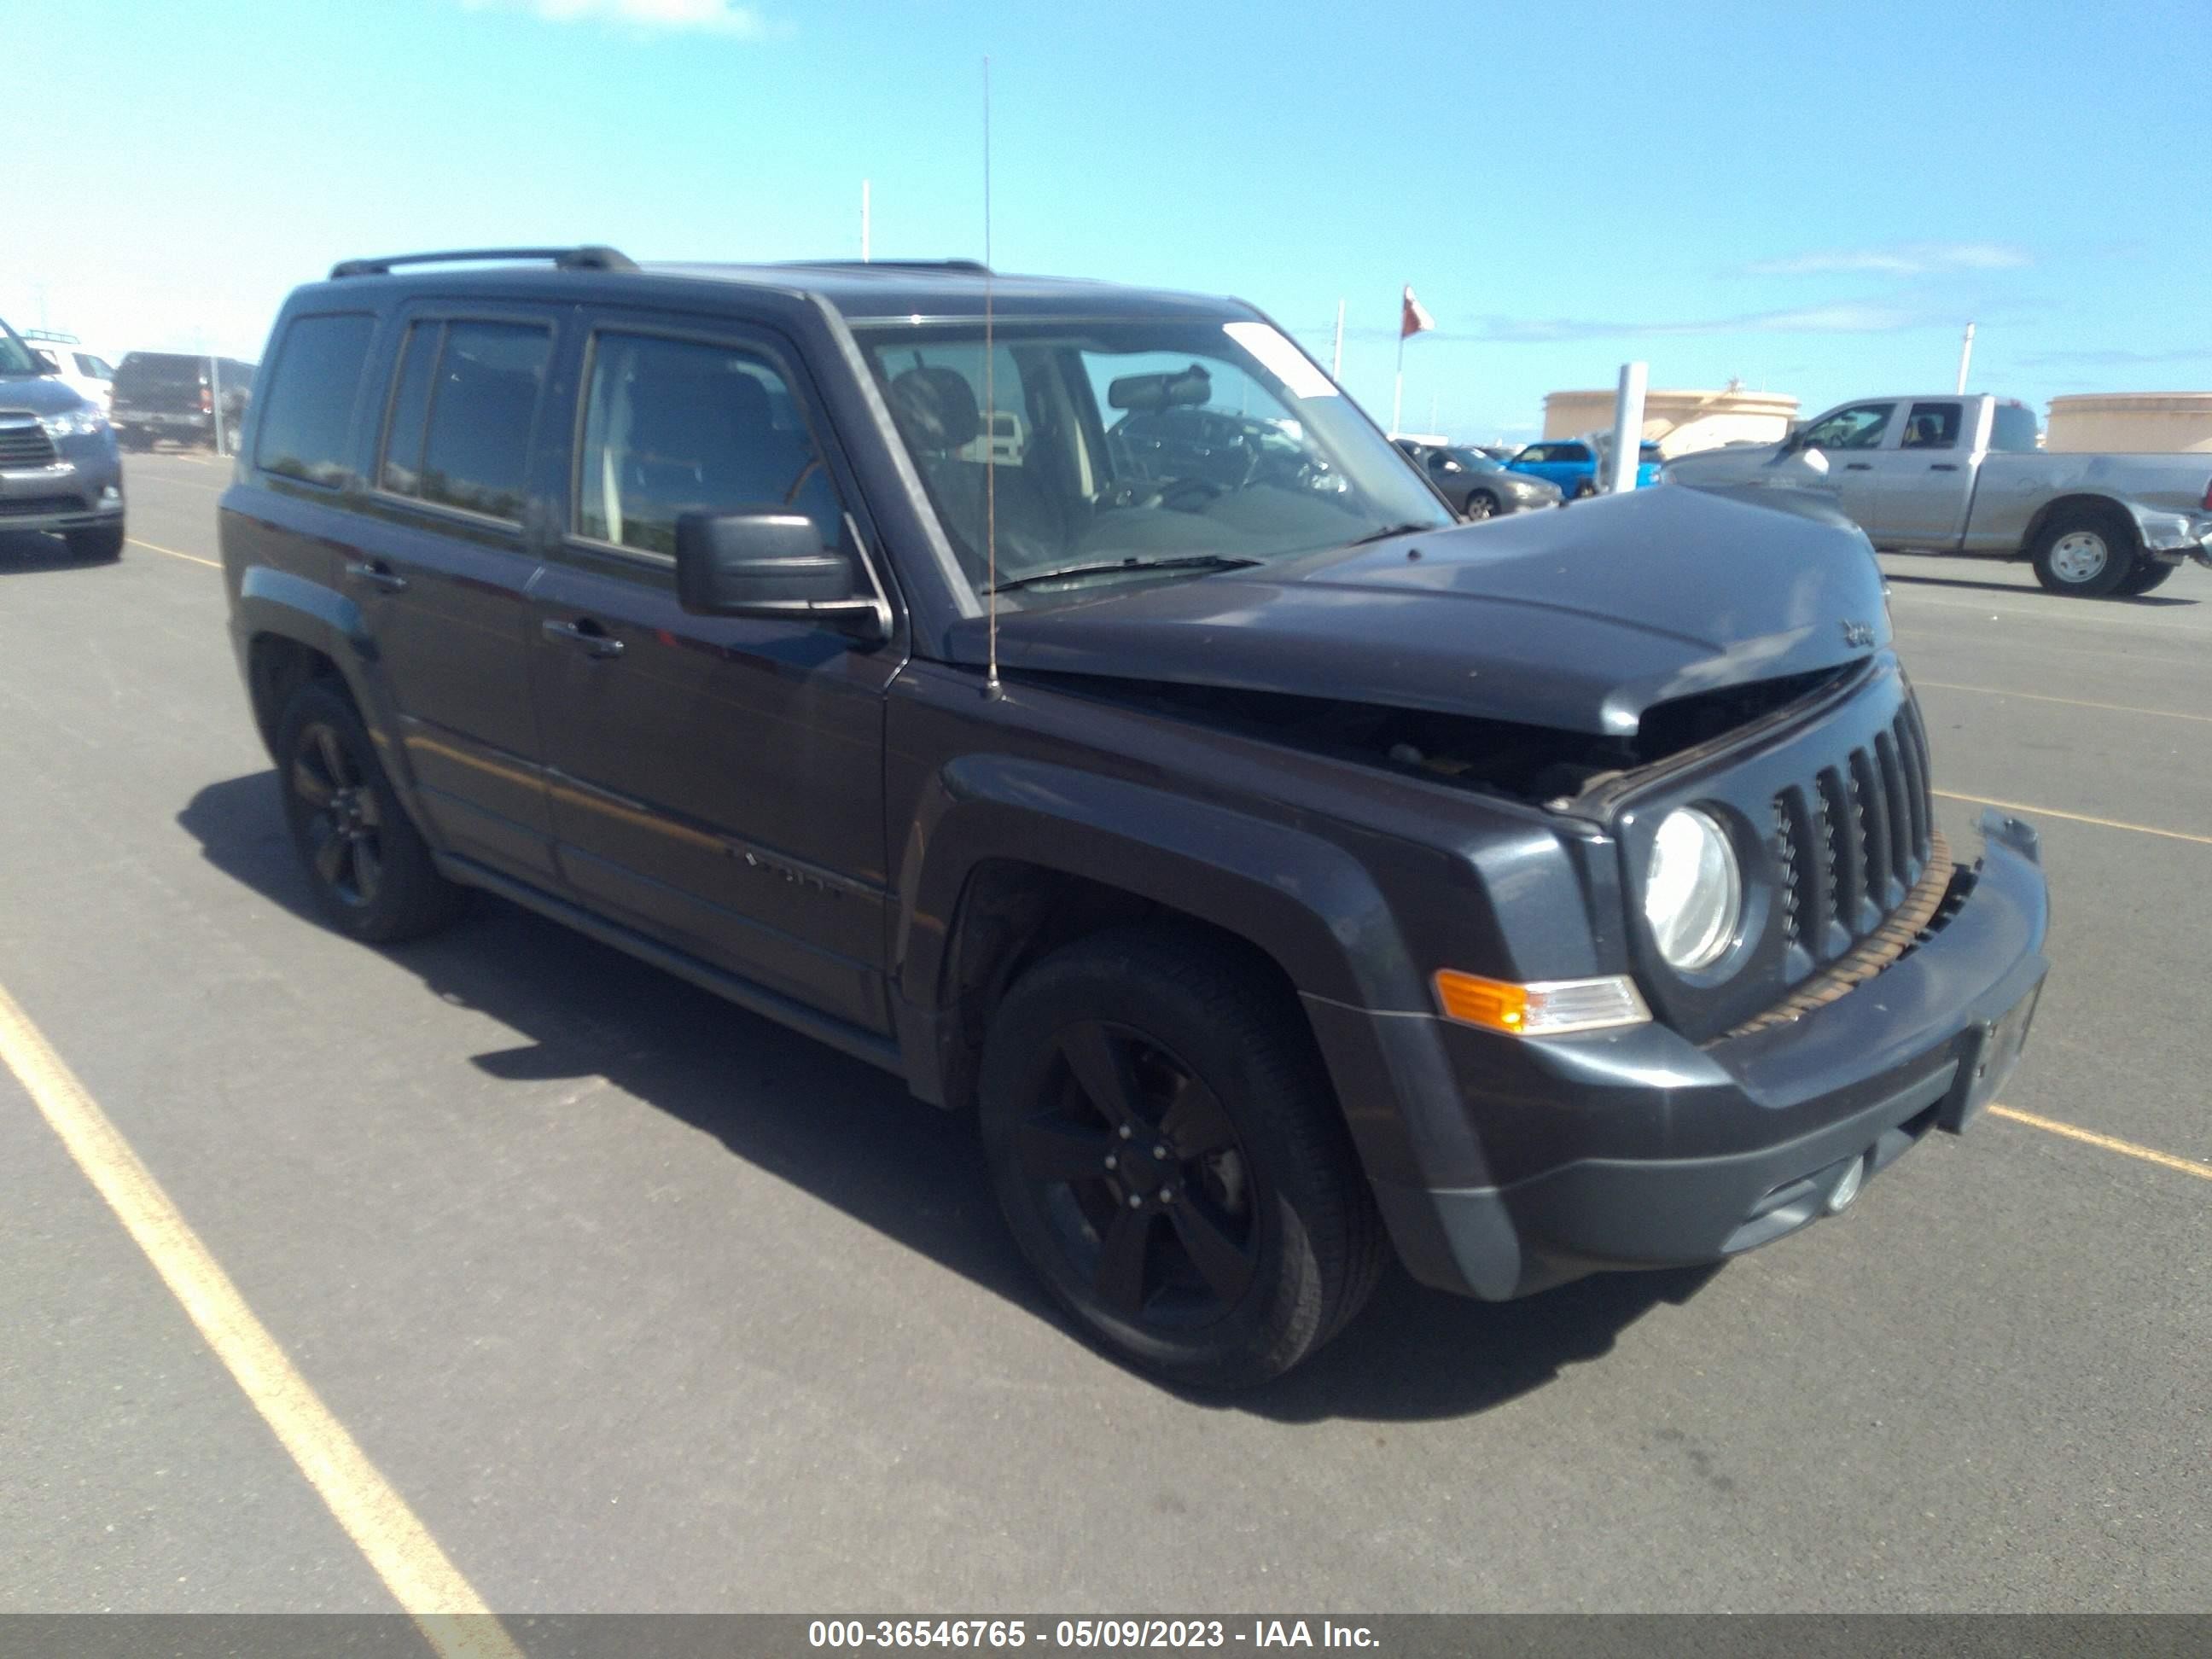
(28, 507)
(1851, 842)
(24, 442)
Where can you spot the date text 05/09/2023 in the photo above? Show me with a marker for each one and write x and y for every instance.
(1086, 1633)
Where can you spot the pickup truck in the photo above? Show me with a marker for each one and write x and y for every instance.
(1945, 474)
(1282, 873)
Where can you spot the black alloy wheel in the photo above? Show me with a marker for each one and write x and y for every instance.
(1170, 1158)
(373, 873)
(344, 825)
(1143, 1178)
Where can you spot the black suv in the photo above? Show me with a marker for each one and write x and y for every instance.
(171, 394)
(1282, 873)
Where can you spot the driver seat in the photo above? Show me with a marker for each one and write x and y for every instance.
(935, 409)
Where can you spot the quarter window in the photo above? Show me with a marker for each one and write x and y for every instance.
(459, 431)
(673, 427)
(307, 419)
(2013, 430)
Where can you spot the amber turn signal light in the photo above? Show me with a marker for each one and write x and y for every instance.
(1544, 1008)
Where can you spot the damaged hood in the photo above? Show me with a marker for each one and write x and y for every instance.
(1579, 620)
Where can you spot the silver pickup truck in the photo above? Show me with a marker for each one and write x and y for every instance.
(1943, 474)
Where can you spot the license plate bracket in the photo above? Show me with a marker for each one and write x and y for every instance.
(1988, 1050)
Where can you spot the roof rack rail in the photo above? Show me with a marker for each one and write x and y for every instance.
(975, 266)
(51, 336)
(563, 258)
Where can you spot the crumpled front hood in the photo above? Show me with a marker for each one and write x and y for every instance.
(1580, 620)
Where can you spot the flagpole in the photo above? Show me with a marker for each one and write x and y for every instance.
(1398, 397)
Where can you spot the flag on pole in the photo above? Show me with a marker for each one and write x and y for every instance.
(1413, 319)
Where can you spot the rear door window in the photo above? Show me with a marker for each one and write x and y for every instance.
(459, 433)
(306, 418)
(1931, 426)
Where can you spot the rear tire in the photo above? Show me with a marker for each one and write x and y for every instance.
(2084, 553)
(1171, 1160)
(372, 872)
(2147, 574)
(1482, 505)
(101, 546)
(1583, 489)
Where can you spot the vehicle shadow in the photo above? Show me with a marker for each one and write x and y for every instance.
(852, 1136)
(24, 552)
(2158, 601)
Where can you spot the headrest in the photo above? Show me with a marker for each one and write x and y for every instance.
(936, 409)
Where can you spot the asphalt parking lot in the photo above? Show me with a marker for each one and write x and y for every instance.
(639, 1303)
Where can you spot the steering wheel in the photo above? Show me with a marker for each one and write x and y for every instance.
(1179, 495)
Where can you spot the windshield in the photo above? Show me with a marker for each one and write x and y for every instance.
(1149, 449)
(15, 357)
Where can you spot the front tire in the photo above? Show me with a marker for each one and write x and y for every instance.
(1482, 505)
(2085, 554)
(103, 546)
(371, 869)
(1171, 1160)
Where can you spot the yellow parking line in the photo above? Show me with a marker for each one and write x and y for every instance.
(153, 547)
(2075, 818)
(2075, 702)
(452, 1618)
(2110, 1143)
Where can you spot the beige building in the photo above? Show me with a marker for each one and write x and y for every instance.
(1679, 422)
(2132, 423)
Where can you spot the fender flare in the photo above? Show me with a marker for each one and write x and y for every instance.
(272, 602)
(1305, 902)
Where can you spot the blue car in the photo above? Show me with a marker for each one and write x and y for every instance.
(1572, 464)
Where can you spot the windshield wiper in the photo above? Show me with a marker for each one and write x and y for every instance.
(1191, 561)
(1384, 535)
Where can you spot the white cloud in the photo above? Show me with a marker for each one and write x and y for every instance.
(674, 16)
(1896, 259)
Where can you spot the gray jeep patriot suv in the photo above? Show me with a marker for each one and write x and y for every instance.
(1282, 872)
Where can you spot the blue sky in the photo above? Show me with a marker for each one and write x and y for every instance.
(1812, 197)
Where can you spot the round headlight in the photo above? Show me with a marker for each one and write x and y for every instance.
(1693, 891)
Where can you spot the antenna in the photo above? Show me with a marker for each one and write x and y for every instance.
(991, 688)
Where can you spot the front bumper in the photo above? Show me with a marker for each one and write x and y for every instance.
(1639, 1148)
(81, 491)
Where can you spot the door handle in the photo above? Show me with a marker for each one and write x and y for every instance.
(1942, 466)
(1858, 466)
(376, 573)
(595, 640)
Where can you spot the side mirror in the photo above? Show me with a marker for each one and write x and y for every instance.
(769, 562)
